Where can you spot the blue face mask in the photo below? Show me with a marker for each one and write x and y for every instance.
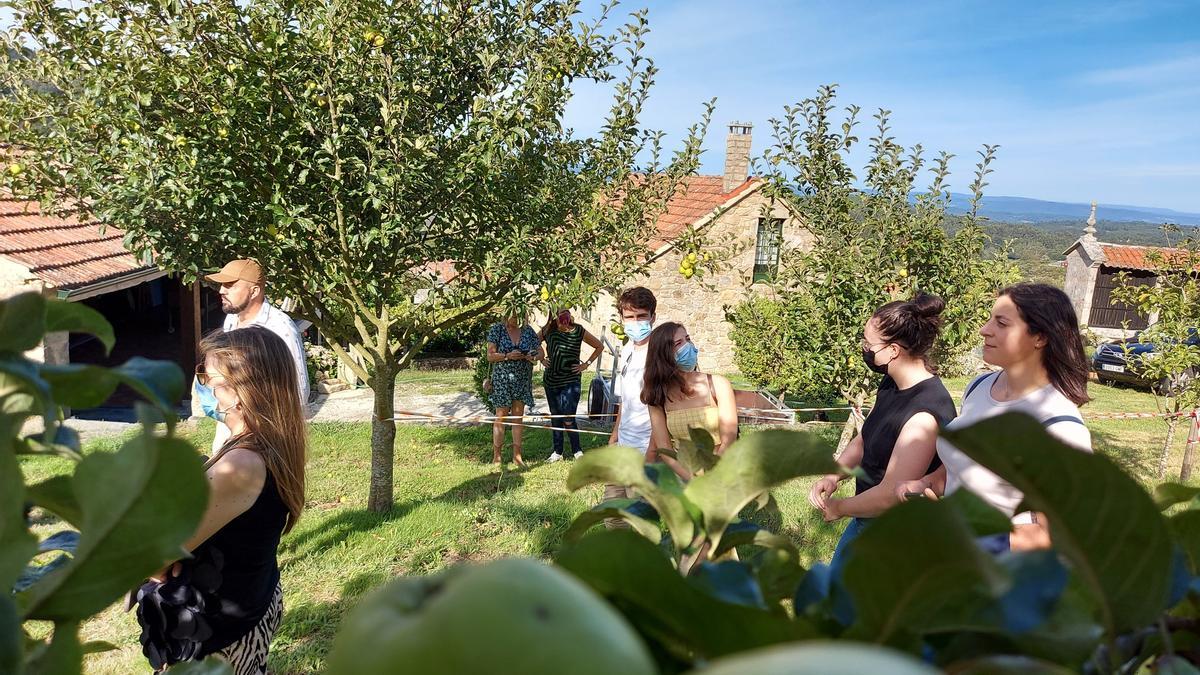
(209, 404)
(687, 356)
(637, 330)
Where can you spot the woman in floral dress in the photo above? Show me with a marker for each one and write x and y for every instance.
(513, 348)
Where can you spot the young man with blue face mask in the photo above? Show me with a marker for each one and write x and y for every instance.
(631, 428)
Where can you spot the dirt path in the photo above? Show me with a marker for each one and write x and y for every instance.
(353, 405)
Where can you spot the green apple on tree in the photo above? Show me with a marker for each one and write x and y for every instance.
(515, 616)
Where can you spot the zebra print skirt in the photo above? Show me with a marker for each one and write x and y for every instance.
(248, 656)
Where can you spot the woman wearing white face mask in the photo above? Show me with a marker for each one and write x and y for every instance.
(681, 398)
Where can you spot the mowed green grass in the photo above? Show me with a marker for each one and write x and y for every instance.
(452, 506)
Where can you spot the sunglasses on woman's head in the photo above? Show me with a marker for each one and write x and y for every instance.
(203, 376)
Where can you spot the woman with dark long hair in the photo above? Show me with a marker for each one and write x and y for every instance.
(226, 598)
(681, 398)
(1033, 337)
(898, 442)
(563, 377)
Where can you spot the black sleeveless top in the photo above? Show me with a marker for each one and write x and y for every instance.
(243, 556)
(893, 408)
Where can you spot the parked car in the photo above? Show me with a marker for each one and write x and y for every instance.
(1118, 361)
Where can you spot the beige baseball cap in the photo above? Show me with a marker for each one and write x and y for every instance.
(239, 270)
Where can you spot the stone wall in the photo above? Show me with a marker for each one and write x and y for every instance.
(16, 279)
(1080, 282)
(688, 301)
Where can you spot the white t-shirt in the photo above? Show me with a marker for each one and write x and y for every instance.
(634, 428)
(1044, 405)
(278, 322)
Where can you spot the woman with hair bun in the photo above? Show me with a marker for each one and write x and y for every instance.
(898, 442)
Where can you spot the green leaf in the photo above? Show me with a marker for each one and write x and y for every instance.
(21, 378)
(818, 658)
(12, 660)
(63, 654)
(1167, 495)
(84, 386)
(613, 508)
(17, 544)
(981, 517)
(751, 466)
(98, 647)
(902, 590)
(56, 495)
(1185, 527)
(139, 505)
(635, 576)
(1006, 664)
(77, 317)
(1100, 518)
(627, 467)
(696, 452)
(22, 322)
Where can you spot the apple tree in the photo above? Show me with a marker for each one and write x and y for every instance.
(873, 241)
(398, 167)
(1173, 302)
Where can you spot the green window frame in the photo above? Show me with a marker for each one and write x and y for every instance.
(766, 248)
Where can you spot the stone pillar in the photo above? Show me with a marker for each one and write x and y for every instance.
(737, 155)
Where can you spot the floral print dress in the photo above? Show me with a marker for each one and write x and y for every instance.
(512, 380)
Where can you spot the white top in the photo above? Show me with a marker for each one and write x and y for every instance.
(634, 428)
(279, 323)
(1043, 405)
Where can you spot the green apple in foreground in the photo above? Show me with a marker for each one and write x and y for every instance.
(818, 658)
(515, 616)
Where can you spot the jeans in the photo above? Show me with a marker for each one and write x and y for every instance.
(564, 401)
(994, 544)
(843, 606)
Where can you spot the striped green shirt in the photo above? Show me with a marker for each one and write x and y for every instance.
(562, 352)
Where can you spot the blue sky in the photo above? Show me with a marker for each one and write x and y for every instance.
(1088, 100)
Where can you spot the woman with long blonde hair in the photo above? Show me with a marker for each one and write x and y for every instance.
(226, 599)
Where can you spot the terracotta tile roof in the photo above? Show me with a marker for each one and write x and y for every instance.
(700, 196)
(1136, 257)
(63, 252)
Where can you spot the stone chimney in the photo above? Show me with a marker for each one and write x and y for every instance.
(737, 155)
(1089, 232)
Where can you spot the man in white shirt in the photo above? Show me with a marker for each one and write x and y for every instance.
(244, 301)
(637, 307)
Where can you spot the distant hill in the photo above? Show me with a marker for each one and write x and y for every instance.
(1026, 210)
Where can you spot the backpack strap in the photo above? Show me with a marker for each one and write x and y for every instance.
(1062, 418)
(975, 385)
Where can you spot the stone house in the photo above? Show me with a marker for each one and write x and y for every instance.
(734, 215)
(152, 313)
(1092, 269)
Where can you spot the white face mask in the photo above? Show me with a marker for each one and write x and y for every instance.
(638, 330)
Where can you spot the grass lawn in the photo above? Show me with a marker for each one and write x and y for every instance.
(451, 506)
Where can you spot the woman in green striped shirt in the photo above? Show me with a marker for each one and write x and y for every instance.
(563, 377)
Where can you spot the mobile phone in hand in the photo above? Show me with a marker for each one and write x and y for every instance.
(914, 495)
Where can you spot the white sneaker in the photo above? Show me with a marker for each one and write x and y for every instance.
(555, 457)
(578, 455)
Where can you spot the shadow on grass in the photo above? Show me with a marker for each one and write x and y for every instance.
(475, 442)
(306, 635)
(335, 530)
(1139, 461)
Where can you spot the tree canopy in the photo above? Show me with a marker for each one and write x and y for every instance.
(398, 167)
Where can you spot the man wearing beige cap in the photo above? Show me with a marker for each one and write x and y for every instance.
(243, 299)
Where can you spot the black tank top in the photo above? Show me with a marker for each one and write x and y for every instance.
(893, 408)
(243, 554)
